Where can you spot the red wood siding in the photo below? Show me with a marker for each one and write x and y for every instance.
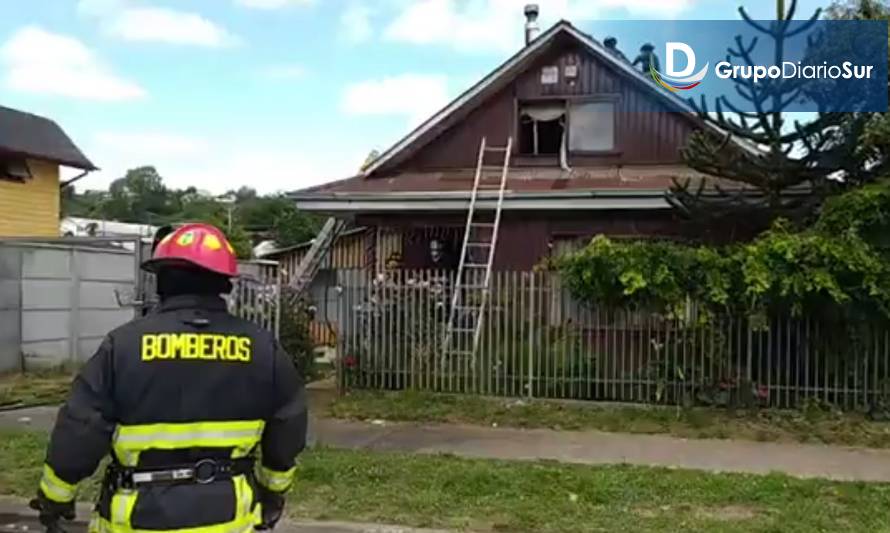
(646, 133)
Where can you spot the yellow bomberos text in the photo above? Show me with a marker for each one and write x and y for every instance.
(195, 346)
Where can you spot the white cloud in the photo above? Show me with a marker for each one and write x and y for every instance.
(39, 61)
(156, 24)
(271, 4)
(497, 25)
(128, 21)
(283, 72)
(355, 22)
(415, 96)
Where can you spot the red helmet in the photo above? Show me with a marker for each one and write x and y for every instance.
(200, 245)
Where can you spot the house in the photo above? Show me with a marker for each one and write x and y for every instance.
(32, 149)
(595, 146)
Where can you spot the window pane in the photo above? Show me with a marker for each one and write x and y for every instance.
(592, 127)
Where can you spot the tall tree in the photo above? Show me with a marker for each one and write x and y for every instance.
(790, 167)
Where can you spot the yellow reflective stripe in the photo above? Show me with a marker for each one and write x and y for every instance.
(122, 504)
(275, 480)
(243, 496)
(242, 435)
(55, 488)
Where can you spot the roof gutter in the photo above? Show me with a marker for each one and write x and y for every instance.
(460, 201)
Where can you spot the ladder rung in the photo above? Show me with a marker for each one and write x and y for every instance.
(495, 148)
(482, 224)
(472, 287)
(463, 330)
(475, 265)
(467, 307)
(480, 244)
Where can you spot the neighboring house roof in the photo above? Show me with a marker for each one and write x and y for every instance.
(38, 137)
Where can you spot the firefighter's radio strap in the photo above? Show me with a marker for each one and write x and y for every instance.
(202, 472)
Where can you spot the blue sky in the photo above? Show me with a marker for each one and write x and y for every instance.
(275, 94)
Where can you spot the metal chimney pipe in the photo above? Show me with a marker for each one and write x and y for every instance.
(531, 22)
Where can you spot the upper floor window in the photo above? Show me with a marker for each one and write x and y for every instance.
(542, 128)
(14, 169)
(563, 127)
(592, 127)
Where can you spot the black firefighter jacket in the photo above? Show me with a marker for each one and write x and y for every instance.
(186, 383)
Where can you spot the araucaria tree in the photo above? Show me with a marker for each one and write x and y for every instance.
(771, 164)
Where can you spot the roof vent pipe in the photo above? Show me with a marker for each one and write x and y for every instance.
(531, 22)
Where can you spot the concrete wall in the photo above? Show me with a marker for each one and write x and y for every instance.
(64, 298)
(10, 309)
(31, 209)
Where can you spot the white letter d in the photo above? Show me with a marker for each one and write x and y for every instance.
(690, 59)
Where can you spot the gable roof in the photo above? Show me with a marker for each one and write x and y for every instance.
(502, 75)
(30, 135)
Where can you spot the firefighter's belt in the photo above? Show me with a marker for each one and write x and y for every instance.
(203, 472)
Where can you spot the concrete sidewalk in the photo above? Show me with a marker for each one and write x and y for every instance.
(800, 460)
(16, 517)
(594, 448)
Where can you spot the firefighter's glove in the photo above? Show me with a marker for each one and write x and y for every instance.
(273, 507)
(51, 513)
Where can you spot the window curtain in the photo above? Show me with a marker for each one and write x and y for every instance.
(547, 113)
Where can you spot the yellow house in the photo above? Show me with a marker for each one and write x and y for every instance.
(32, 149)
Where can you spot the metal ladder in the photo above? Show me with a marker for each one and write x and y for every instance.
(470, 297)
(317, 253)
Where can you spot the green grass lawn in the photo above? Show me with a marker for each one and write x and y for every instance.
(813, 425)
(38, 388)
(448, 492)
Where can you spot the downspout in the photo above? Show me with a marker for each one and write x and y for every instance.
(79, 177)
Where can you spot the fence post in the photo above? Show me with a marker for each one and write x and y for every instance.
(531, 335)
(279, 301)
(750, 351)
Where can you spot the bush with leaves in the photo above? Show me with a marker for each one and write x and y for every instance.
(838, 275)
(296, 339)
(655, 276)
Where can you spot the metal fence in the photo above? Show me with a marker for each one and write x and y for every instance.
(255, 293)
(537, 341)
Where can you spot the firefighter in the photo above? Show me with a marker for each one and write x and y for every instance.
(647, 59)
(181, 399)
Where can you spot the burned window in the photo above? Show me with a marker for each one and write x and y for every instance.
(592, 127)
(542, 128)
(14, 169)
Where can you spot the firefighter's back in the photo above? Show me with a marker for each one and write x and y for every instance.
(192, 383)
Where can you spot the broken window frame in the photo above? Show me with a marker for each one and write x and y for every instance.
(559, 102)
(568, 103)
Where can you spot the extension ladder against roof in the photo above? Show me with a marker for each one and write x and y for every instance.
(469, 299)
(309, 266)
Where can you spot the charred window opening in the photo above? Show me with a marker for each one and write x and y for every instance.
(13, 169)
(542, 129)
